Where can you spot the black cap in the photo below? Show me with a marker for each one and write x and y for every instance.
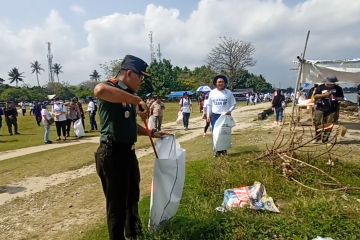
(331, 80)
(220, 76)
(135, 64)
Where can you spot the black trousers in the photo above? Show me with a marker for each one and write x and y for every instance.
(68, 125)
(118, 169)
(10, 123)
(38, 119)
(60, 127)
(93, 121)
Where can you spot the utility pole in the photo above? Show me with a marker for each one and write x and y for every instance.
(152, 52)
(50, 57)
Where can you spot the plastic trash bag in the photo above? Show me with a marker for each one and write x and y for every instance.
(151, 122)
(254, 196)
(222, 133)
(179, 119)
(168, 181)
(79, 128)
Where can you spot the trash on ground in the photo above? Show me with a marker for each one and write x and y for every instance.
(254, 197)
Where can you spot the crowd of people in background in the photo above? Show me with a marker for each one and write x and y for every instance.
(62, 113)
(65, 113)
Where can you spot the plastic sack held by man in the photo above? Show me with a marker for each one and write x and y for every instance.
(168, 181)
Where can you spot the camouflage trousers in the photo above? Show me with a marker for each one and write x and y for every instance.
(323, 122)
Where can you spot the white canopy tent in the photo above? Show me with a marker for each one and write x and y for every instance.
(346, 71)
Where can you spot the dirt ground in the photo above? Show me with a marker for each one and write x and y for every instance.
(59, 205)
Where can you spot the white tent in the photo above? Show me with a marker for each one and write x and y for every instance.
(346, 71)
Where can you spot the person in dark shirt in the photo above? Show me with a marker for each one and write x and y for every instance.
(37, 113)
(11, 115)
(278, 105)
(327, 97)
(116, 162)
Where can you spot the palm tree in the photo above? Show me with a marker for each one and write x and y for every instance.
(95, 76)
(36, 68)
(57, 68)
(15, 76)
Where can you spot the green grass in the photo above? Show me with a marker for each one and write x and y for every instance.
(47, 162)
(304, 214)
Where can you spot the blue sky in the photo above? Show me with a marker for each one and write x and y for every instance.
(87, 33)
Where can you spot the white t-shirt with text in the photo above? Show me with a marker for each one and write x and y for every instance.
(220, 102)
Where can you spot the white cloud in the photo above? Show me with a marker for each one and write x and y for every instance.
(78, 10)
(27, 45)
(277, 31)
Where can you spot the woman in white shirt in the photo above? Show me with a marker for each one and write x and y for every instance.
(186, 108)
(46, 118)
(59, 110)
(221, 101)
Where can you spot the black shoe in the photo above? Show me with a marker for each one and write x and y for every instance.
(48, 142)
(10, 134)
(17, 133)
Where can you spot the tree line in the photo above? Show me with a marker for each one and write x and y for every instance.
(230, 57)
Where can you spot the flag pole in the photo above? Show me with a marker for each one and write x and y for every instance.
(301, 60)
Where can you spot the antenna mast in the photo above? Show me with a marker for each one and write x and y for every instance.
(152, 52)
(50, 57)
(159, 52)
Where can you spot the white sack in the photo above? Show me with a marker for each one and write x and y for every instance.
(168, 181)
(79, 128)
(222, 133)
(179, 119)
(151, 122)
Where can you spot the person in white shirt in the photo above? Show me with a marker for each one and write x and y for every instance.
(92, 109)
(221, 101)
(46, 121)
(186, 108)
(23, 108)
(157, 109)
(59, 110)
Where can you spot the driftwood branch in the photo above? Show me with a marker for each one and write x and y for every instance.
(288, 146)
